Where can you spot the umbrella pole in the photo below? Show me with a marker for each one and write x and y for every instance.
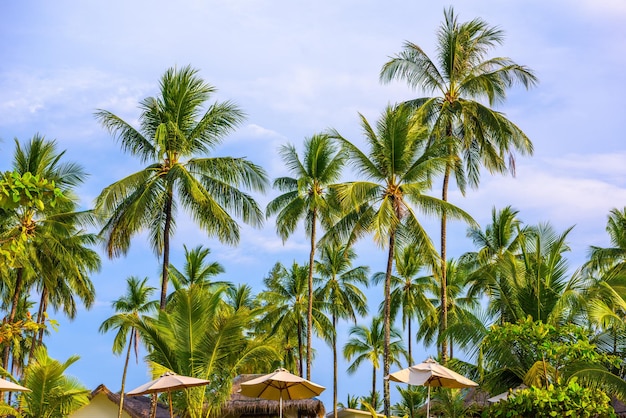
(428, 404)
(281, 405)
(169, 395)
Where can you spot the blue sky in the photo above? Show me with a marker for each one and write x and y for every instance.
(296, 69)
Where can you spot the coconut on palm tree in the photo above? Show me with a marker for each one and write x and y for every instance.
(175, 138)
(466, 84)
(306, 197)
(136, 301)
(397, 171)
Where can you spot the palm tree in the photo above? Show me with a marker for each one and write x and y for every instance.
(368, 344)
(461, 306)
(285, 303)
(342, 293)
(399, 168)
(306, 196)
(613, 257)
(606, 294)
(174, 139)
(55, 236)
(412, 398)
(475, 134)
(408, 290)
(129, 307)
(197, 271)
(53, 394)
(496, 261)
(197, 336)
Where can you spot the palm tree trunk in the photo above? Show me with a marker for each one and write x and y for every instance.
(19, 278)
(374, 387)
(443, 326)
(166, 249)
(309, 314)
(130, 345)
(300, 356)
(334, 319)
(38, 335)
(410, 337)
(387, 324)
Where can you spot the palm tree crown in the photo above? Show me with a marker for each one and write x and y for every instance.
(475, 135)
(174, 139)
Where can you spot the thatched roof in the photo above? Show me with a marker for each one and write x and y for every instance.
(135, 406)
(243, 405)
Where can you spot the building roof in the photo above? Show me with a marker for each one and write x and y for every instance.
(135, 406)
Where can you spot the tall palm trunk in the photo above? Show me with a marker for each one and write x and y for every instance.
(387, 323)
(17, 293)
(300, 353)
(373, 386)
(410, 337)
(309, 314)
(443, 326)
(130, 345)
(166, 248)
(334, 319)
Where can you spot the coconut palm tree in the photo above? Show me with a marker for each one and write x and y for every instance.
(496, 261)
(341, 289)
(174, 139)
(197, 336)
(399, 168)
(197, 270)
(606, 295)
(461, 78)
(461, 306)
(285, 306)
(368, 345)
(306, 197)
(55, 233)
(409, 292)
(613, 257)
(135, 302)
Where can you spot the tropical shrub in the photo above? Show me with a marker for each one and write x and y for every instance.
(571, 400)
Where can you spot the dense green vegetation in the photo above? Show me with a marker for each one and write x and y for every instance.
(556, 328)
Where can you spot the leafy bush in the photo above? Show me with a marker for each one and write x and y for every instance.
(572, 400)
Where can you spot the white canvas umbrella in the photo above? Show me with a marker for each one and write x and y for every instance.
(167, 383)
(280, 385)
(430, 373)
(8, 386)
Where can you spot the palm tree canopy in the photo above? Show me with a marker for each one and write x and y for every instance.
(174, 139)
(307, 191)
(461, 78)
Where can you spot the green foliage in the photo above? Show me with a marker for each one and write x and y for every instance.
(542, 354)
(572, 400)
(53, 394)
(26, 192)
(198, 335)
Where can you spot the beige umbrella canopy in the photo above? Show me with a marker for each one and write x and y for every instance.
(167, 383)
(430, 373)
(8, 386)
(280, 385)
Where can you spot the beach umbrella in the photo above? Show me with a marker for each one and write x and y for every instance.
(430, 373)
(8, 386)
(168, 382)
(280, 385)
